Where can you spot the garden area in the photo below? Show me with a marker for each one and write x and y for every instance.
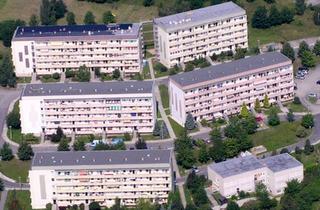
(49, 78)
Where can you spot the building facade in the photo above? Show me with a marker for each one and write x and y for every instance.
(67, 178)
(199, 33)
(50, 49)
(221, 90)
(107, 108)
(242, 174)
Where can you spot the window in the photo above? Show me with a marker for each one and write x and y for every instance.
(27, 63)
(26, 51)
(20, 57)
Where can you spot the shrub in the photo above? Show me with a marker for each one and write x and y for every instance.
(301, 132)
(307, 121)
(296, 100)
(160, 67)
(56, 76)
(204, 123)
(69, 73)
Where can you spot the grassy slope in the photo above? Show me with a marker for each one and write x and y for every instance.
(164, 96)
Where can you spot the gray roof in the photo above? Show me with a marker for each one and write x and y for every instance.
(280, 162)
(63, 32)
(236, 166)
(229, 69)
(86, 88)
(199, 16)
(110, 157)
(249, 163)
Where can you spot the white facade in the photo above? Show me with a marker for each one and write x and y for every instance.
(221, 90)
(242, 174)
(49, 49)
(99, 111)
(81, 177)
(199, 33)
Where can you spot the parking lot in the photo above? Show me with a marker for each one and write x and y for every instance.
(308, 85)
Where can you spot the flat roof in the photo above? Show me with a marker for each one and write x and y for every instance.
(198, 16)
(109, 157)
(281, 162)
(64, 31)
(236, 166)
(88, 88)
(230, 68)
(245, 164)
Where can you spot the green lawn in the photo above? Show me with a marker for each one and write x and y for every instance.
(48, 80)
(178, 129)
(167, 111)
(267, 111)
(276, 137)
(23, 197)
(23, 79)
(146, 72)
(188, 195)
(150, 137)
(15, 168)
(296, 107)
(164, 96)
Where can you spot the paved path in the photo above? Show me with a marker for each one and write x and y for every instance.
(3, 199)
(151, 68)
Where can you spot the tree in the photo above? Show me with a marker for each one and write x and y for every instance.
(13, 120)
(266, 103)
(307, 121)
(275, 16)
(33, 21)
(284, 150)
(293, 187)
(108, 17)
(287, 15)
(184, 149)
(191, 206)
(260, 18)
(273, 118)
(231, 147)
(300, 7)
(296, 100)
(240, 53)
(270, 1)
(316, 48)
(148, 3)
(303, 46)
(188, 67)
(63, 145)
(94, 206)
(288, 51)
(316, 16)
(71, 18)
(156, 129)
(308, 148)
(25, 151)
(7, 75)
(257, 105)
(6, 152)
(244, 112)
(217, 151)
(89, 18)
(203, 154)
(127, 136)
(83, 74)
(290, 116)
(190, 124)
(60, 8)
(79, 145)
(141, 144)
(164, 133)
(47, 13)
(263, 197)
(232, 205)
(308, 59)
(116, 74)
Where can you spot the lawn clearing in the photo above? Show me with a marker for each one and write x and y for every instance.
(178, 129)
(276, 137)
(164, 96)
(15, 168)
(296, 107)
(146, 72)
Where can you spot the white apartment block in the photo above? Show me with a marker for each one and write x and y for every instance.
(67, 178)
(221, 90)
(50, 49)
(243, 173)
(107, 108)
(182, 37)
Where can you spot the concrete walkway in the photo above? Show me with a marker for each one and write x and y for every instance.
(4, 195)
(151, 68)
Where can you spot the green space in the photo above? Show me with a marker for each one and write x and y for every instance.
(188, 195)
(146, 72)
(177, 129)
(274, 108)
(284, 32)
(164, 96)
(23, 198)
(277, 136)
(309, 160)
(149, 137)
(23, 79)
(296, 107)
(9, 169)
(48, 79)
(167, 111)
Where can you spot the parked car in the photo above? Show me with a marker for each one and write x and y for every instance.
(95, 142)
(312, 95)
(318, 82)
(117, 140)
(195, 169)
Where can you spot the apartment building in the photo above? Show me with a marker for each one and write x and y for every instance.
(221, 90)
(243, 173)
(67, 178)
(107, 108)
(49, 49)
(199, 33)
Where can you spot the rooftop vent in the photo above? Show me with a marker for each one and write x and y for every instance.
(83, 157)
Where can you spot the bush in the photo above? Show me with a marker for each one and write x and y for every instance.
(307, 121)
(13, 120)
(284, 150)
(160, 67)
(301, 132)
(56, 76)
(25, 151)
(69, 73)
(296, 100)
(273, 118)
(204, 123)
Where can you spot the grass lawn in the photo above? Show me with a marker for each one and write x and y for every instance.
(267, 111)
(146, 72)
(167, 111)
(23, 79)
(164, 96)
(274, 138)
(23, 197)
(16, 135)
(48, 80)
(150, 137)
(178, 129)
(296, 107)
(15, 168)
(294, 30)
